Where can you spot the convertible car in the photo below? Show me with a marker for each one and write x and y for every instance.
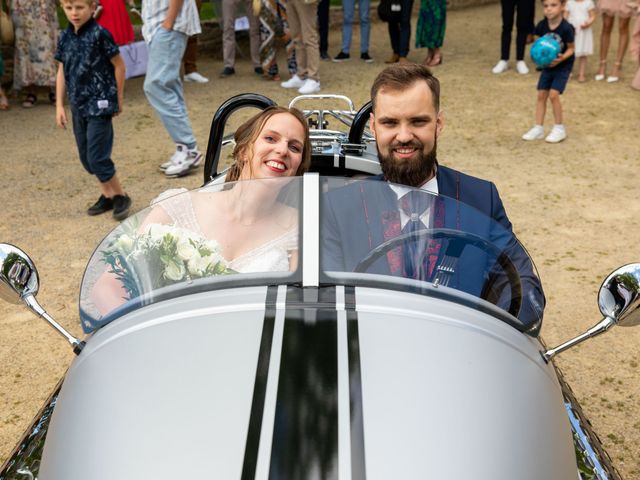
(339, 365)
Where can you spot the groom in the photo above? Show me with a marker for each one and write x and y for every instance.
(406, 121)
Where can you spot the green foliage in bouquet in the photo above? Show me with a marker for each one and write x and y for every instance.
(162, 255)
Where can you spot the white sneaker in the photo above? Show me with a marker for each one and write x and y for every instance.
(293, 82)
(310, 86)
(195, 77)
(180, 148)
(556, 135)
(521, 67)
(183, 161)
(536, 133)
(501, 67)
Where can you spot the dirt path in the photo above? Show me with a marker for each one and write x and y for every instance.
(574, 205)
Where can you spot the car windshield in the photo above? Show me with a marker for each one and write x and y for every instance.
(353, 232)
(219, 236)
(375, 233)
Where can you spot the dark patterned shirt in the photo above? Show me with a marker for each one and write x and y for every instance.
(88, 72)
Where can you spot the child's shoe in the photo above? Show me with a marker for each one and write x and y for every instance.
(536, 133)
(121, 204)
(556, 135)
(501, 67)
(521, 67)
(103, 205)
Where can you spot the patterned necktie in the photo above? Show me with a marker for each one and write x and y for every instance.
(414, 204)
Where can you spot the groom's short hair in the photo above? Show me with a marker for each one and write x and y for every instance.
(401, 76)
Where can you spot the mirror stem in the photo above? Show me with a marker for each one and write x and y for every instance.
(31, 302)
(605, 324)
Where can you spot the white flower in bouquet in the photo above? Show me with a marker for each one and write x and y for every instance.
(160, 256)
(197, 265)
(125, 242)
(186, 249)
(175, 271)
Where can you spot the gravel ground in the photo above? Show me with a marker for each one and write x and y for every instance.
(574, 205)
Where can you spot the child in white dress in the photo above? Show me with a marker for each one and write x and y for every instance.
(581, 14)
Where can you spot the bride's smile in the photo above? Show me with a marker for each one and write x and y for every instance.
(278, 149)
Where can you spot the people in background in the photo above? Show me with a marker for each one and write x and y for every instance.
(274, 28)
(92, 72)
(304, 29)
(35, 24)
(554, 77)
(166, 26)
(400, 34)
(113, 15)
(190, 57)
(611, 9)
(524, 10)
(229, 8)
(348, 11)
(581, 14)
(432, 22)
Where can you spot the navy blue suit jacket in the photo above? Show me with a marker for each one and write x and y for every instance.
(352, 228)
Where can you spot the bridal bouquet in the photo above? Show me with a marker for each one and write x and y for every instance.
(161, 256)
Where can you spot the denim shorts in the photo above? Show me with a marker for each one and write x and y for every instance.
(554, 78)
(94, 137)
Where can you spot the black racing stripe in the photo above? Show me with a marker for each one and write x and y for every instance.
(358, 470)
(260, 387)
(305, 436)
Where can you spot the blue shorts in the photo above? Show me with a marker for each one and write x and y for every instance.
(94, 137)
(554, 78)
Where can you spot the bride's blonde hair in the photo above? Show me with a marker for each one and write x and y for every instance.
(248, 132)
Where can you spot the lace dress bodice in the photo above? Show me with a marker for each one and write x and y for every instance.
(272, 256)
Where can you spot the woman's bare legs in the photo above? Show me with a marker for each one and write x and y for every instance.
(605, 39)
(623, 43)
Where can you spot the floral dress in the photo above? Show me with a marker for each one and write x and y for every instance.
(432, 20)
(35, 24)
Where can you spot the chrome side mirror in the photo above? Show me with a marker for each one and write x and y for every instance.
(619, 302)
(19, 284)
(619, 295)
(18, 274)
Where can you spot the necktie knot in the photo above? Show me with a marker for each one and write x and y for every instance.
(414, 204)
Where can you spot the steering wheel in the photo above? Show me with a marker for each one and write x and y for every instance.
(458, 242)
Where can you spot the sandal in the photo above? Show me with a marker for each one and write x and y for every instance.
(30, 101)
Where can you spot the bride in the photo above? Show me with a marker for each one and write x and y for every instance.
(255, 231)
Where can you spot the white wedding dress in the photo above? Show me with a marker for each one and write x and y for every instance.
(272, 256)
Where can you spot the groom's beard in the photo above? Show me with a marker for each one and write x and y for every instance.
(412, 172)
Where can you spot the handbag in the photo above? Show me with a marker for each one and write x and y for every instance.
(135, 56)
(6, 29)
(390, 10)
